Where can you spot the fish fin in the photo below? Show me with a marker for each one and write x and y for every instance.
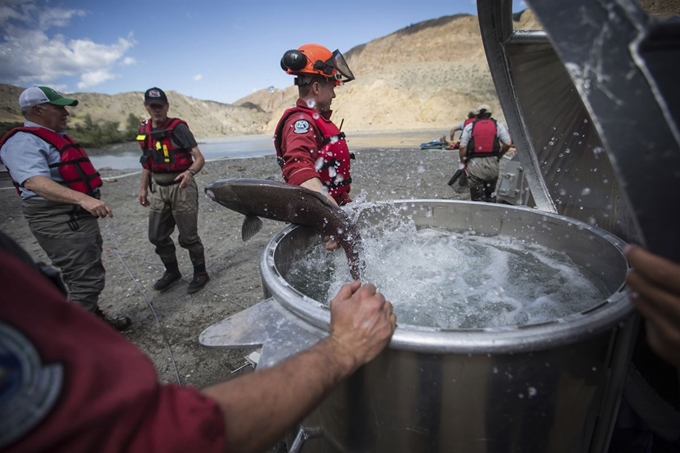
(251, 226)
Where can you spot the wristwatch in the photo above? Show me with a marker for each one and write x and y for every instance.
(193, 172)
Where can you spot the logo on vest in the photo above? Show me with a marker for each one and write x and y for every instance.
(301, 127)
(28, 389)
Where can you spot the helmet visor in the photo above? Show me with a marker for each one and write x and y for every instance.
(337, 62)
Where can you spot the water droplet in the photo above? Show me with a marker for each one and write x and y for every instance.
(271, 89)
(319, 164)
(585, 191)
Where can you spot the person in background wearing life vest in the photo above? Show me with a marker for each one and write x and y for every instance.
(170, 160)
(310, 149)
(472, 115)
(59, 189)
(483, 143)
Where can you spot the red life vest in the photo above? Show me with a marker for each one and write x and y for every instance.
(159, 155)
(468, 121)
(74, 165)
(334, 171)
(483, 141)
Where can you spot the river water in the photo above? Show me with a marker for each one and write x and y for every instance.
(244, 146)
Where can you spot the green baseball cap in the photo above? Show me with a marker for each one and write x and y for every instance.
(43, 95)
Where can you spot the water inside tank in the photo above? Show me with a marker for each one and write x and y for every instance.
(453, 280)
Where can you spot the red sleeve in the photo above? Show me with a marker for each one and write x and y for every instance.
(80, 386)
(300, 146)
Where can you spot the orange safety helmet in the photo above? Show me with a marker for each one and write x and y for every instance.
(315, 59)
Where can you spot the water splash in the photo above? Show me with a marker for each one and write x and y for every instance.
(445, 279)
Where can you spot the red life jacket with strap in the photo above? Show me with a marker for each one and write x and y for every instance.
(159, 155)
(333, 160)
(483, 141)
(74, 165)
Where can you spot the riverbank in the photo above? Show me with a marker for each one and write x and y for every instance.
(132, 266)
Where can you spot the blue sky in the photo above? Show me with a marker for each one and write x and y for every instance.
(214, 50)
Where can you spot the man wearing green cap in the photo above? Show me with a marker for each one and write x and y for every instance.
(59, 189)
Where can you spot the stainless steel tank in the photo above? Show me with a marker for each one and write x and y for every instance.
(531, 388)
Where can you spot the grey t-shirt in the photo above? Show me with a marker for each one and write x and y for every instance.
(182, 137)
(26, 155)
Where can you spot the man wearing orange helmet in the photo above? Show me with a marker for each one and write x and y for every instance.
(310, 149)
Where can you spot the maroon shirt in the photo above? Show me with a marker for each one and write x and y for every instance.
(300, 148)
(76, 385)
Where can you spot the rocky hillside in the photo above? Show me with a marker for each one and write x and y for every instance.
(425, 76)
(206, 118)
(422, 77)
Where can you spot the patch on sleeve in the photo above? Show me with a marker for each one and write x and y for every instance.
(301, 127)
(29, 390)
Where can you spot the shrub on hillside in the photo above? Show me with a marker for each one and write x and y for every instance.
(96, 135)
(6, 127)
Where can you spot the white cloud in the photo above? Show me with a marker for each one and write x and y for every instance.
(129, 61)
(29, 53)
(93, 78)
(57, 17)
(16, 10)
(63, 89)
(198, 77)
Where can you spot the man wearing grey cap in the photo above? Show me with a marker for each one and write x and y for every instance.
(483, 143)
(59, 189)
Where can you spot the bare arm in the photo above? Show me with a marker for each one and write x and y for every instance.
(53, 191)
(259, 408)
(455, 129)
(504, 149)
(504, 139)
(316, 185)
(655, 282)
(462, 154)
(197, 166)
(144, 188)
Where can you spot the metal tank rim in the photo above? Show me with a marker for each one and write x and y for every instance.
(513, 339)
